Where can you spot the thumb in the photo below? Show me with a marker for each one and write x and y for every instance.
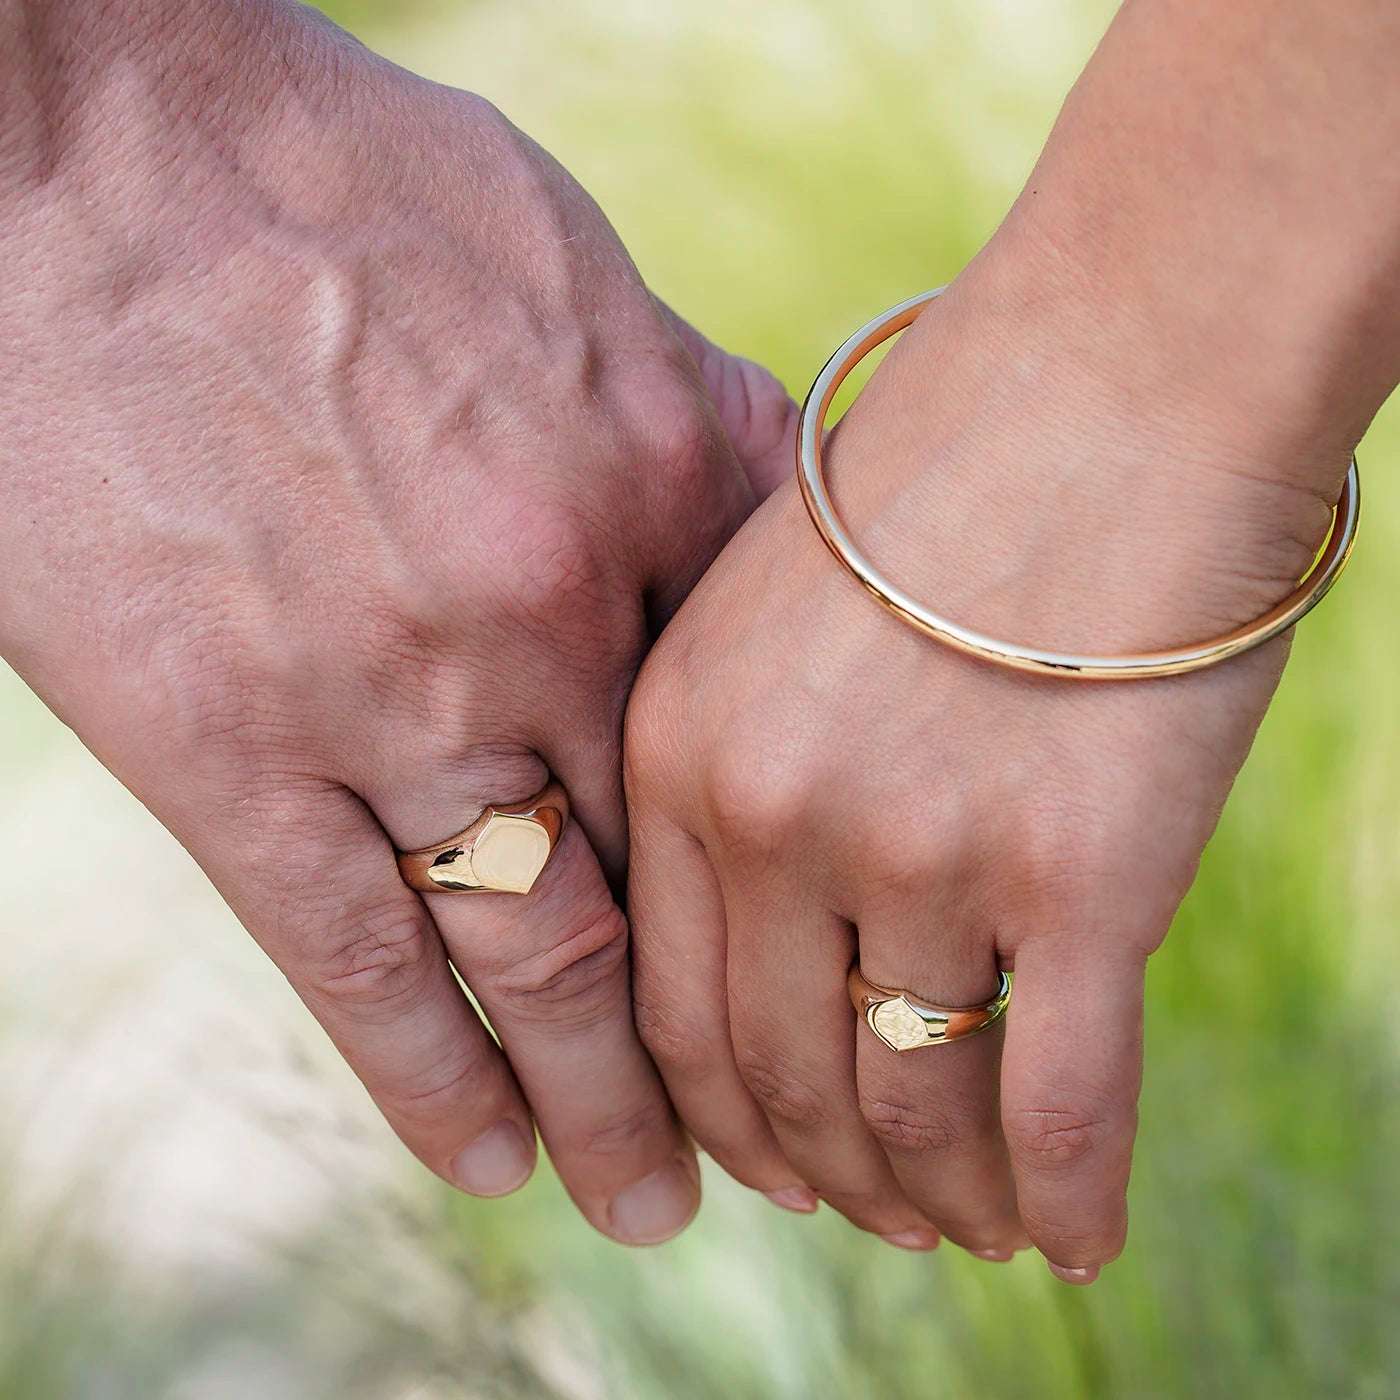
(756, 412)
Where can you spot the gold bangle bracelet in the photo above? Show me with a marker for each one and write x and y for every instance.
(1329, 563)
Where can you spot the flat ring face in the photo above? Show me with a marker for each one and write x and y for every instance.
(503, 851)
(812, 481)
(903, 1022)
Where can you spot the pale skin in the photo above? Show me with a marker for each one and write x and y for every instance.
(349, 468)
(1122, 428)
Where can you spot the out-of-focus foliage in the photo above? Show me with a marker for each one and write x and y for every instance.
(780, 171)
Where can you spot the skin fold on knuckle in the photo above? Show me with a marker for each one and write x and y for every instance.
(620, 1133)
(1073, 866)
(557, 574)
(574, 985)
(455, 779)
(663, 724)
(676, 1047)
(895, 869)
(373, 962)
(901, 1128)
(785, 1096)
(461, 1084)
(1058, 1140)
(757, 412)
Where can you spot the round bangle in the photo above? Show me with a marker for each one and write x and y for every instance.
(810, 428)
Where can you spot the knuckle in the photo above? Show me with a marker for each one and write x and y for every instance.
(902, 1128)
(755, 409)
(481, 113)
(577, 983)
(560, 574)
(617, 1133)
(1064, 853)
(225, 694)
(375, 961)
(673, 1045)
(689, 443)
(406, 662)
(554, 574)
(682, 432)
(894, 862)
(439, 1091)
(757, 795)
(785, 1097)
(545, 568)
(655, 722)
(1057, 1138)
(481, 772)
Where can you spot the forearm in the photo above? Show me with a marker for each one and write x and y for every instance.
(1222, 193)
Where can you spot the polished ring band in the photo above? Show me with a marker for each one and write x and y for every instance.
(905, 1023)
(503, 850)
(811, 425)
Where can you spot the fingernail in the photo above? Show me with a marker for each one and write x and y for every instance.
(993, 1256)
(496, 1163)
(656, 1207)
(914, 1239)
(1079, 1276)
(797, 1198)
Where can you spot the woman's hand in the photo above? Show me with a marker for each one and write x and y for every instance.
(348, 464)
(1122, 429)
(812, 783)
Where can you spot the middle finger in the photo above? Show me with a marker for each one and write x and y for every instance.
(794, 1043)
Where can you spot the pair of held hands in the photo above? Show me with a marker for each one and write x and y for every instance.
(355, 484)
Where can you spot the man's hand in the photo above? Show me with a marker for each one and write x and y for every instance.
(347, 467)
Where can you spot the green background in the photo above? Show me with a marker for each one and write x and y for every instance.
(781, 171)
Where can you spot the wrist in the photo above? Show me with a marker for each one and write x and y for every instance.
(1012, 464)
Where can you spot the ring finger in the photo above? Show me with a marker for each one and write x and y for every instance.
(935, 1110)
(550, 969)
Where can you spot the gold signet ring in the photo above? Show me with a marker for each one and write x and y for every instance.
(503, 850)
(905, 1023)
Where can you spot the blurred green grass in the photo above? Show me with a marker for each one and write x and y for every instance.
(780, 172)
